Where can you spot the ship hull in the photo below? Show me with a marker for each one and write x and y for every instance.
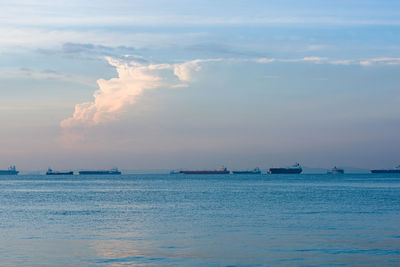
(6, 172)
(99, 172)
(385, 171)
(285, 170)
(60, 173)
(204, 172)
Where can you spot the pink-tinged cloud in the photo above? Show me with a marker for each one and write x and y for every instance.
(115, 95)
(184, 71)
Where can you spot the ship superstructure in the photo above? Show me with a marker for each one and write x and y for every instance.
(11, 171)
(336, 170)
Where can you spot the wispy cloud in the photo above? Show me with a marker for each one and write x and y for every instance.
(325, 60)
(46, 74)
(184, 71)
(315, 59)
(42, 19)
(342, 62)
(265, 60)
(381, 60)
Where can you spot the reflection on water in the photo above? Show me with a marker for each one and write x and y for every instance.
(162, 220)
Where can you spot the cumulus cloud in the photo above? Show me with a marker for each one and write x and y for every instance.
(115, 95)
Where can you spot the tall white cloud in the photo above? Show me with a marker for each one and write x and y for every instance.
(115, 95)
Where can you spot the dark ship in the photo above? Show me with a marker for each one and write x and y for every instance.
(91, 172)
(336, 170)
(51, 172)
(11, 171)
(295, 169)
(219, 171)
(395, 170)
(255, 171)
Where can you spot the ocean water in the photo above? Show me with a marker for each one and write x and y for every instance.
(213, 220)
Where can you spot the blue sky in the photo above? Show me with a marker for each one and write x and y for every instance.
(199, 84)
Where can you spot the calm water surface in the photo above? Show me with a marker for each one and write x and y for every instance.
(164, 220)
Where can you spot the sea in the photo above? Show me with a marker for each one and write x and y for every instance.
(200, 220)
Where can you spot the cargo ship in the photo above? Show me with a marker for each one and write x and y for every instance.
(295, 169)
(395, 170)
(51, 172)
(112, 171)
(219, 171)
(255, 171)
(11, 171)
(336, 170)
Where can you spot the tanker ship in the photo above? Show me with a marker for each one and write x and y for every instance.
(91, 172)
(295, 169)
(336, 171)
(219, 171)
(51, 172)
(395, 170)
(11, 171)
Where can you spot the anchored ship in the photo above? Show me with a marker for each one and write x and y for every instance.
(51, 172)
(219, 171)
(112, 171)
(255, 171)
(11, 171)
(336, 170)
(395, 170)
(295, 169)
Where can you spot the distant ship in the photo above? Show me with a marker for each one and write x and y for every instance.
(395, 170)
(174, 172)
(336, 170)
(295, 169)
(219, 171)
(112, 171)
(11, 171)
(255, 171)
(51, 172)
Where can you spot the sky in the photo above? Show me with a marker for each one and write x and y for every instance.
(199, 84)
